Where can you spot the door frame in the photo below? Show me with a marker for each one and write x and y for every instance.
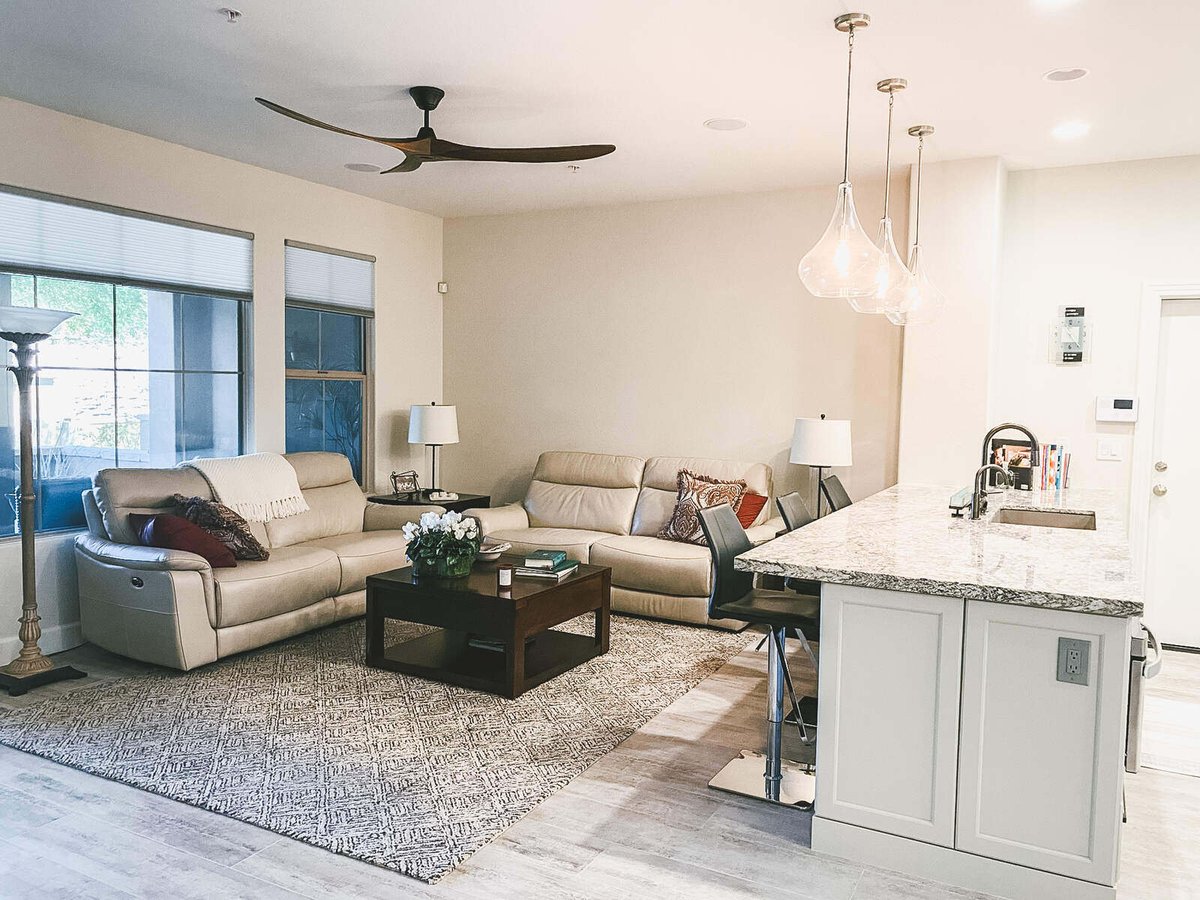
(1154, 295)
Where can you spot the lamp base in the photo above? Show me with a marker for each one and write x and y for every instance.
(16, 686)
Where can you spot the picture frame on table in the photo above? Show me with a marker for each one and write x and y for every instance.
(405, 483)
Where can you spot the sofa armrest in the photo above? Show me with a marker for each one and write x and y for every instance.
(498, 518)
(389, 517)
(132, 556)
(767, 531)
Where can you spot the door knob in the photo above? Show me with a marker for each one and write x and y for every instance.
(1160, 466)
(1159, 490)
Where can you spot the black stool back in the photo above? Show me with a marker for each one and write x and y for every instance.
(726, 539)
(794, 510)
(835, 494)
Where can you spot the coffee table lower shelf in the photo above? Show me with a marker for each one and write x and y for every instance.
(445, 655)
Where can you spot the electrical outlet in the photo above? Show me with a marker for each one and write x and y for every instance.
(1073, 660)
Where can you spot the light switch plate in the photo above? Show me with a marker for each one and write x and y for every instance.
(1073, 660)
(1109, 449)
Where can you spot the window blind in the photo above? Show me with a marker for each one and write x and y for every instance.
(329, 277)
(52, 234)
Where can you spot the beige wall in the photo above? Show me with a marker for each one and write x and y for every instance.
(48, 151)
(676, 328)
(1088, 236)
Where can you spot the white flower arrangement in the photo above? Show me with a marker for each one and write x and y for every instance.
(450, 539)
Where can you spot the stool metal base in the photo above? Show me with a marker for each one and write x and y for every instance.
(746, 775)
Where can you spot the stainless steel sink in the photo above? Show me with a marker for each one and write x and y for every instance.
(1046, 518)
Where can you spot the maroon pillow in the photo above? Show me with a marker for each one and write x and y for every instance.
(168, 532)
(749, 508)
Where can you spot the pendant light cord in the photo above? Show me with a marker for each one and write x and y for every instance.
(917, 224)
(887, 167)
(846, 141)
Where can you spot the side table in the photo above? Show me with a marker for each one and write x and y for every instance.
(421, 498)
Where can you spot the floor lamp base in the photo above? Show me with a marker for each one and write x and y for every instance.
(18, 686)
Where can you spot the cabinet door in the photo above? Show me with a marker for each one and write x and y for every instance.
(1040, 760)
(887, 731)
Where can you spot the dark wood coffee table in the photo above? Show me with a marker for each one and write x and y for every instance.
(471, 612)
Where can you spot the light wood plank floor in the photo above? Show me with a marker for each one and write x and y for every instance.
(640, 822)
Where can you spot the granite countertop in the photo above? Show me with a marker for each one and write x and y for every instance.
(904, 539)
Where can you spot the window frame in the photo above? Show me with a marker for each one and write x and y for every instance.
(244, 357)
(366, 377)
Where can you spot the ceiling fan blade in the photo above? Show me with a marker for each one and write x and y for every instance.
(308, 120)
(410, 164)
(450, 150)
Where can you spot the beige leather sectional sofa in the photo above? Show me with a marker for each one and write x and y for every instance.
(607, 510)
(170, 607)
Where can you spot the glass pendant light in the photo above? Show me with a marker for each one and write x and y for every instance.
(918, 299)
(890, 271)
(843, 263)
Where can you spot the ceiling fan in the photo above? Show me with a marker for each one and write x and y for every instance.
(428, 147)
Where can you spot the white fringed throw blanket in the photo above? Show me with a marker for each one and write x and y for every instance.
(258, 487)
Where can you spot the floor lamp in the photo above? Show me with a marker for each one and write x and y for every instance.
(25, 327)
(820, 444)
(433, 426)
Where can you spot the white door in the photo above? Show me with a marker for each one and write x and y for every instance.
(1173, 554)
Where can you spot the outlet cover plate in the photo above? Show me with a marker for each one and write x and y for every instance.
(1073, 658)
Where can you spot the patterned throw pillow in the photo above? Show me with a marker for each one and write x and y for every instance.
(224, 524)
(697, 492)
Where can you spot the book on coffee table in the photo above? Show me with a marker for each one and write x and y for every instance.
(545, 559)
(558, 572)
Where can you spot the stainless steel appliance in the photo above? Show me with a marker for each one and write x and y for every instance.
(1145, 660)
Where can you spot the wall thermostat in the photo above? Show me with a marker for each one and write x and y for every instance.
(1070, 337)
(1117, 408)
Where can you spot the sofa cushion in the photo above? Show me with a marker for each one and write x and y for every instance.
(656, 500)
(697, 492)
(224, 524)
(293, 578)
(120, 492)
(363, 554)
(169, 532)
(575, 541)
(332, 509)
(592, 491)
(650, 564)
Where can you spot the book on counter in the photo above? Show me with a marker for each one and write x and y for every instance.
(562, 569)
(545, 559)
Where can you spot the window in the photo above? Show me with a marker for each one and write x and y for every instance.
(327, 348)
(149, 373)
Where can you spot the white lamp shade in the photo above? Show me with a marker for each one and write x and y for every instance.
(821, 442)
(433, 424)
(28, 320)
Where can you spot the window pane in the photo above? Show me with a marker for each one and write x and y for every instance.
(210, 413)
(210, 329)
(341, 343)
(305, 415)
(77, 438)
(86, 340)
(344, 421)
(16, 290)
(146, 336)
(148, 405)
(301, 338)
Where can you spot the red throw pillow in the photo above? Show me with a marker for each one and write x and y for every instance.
(749, 508)
(168, 532)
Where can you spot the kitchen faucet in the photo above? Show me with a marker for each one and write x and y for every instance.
(1035, 457)
(979, 497)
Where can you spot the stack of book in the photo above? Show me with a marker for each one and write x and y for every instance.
(552, 564)
(1056, 467)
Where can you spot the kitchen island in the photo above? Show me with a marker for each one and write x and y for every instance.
(972, 687)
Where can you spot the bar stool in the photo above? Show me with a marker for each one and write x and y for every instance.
(794, 510)
(763, 776)
(835, 494)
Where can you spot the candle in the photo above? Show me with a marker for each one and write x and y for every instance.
(504, 576)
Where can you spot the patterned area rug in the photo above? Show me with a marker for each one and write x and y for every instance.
(302, 739)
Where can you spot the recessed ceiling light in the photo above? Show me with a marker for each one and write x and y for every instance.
(1071, 130)
(725, 124)
(1071, 74)
(231, 15)
(572, 168)
(363, 167)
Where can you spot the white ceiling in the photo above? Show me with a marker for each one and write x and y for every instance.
(642, 74)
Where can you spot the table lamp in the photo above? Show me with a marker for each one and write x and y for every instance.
(820, 444)
(25, 327)
(433, 426)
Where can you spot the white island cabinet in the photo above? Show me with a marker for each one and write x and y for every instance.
(973, 690)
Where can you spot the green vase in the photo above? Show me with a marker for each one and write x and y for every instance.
(441, 567)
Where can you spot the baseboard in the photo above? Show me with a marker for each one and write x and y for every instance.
(949, 866)
(55, 639)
